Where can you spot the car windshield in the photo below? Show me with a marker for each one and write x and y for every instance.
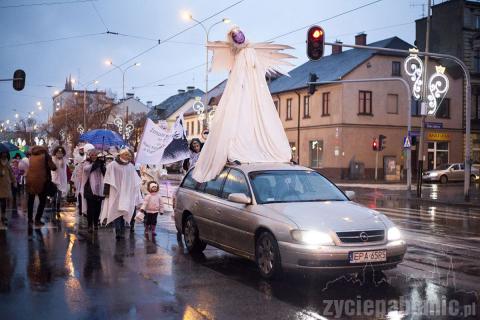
(444, 166)
(293, 186)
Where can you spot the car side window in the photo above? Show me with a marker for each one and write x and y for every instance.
(214, 186)
(462, 167)
(456, 167)
(235, 183)
(189, 182)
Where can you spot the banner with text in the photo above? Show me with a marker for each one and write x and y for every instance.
(162, 146)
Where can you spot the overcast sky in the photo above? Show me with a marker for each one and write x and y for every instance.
(26, 22)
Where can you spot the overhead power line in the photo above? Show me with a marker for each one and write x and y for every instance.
(21, 44)
(38, 4)
(326, 19)
(99, 16)
(160, 42)
(170, 76)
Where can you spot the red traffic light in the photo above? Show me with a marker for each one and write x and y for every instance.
(374, 144)
(315, 42)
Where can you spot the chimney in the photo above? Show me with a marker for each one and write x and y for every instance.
(361, 39)
(337, 49)
(181, 91)
(149, 104)
(190, 88)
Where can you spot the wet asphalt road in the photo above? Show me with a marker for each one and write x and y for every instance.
(60, 271)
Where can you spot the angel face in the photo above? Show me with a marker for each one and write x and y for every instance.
(237, 36)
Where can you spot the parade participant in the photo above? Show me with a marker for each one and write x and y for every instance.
(122, 187)
(195, 149)
(18, 174)
(94, 171)
(23, 165)
(7, 180)
(246, 126)
(59, 176)
(152, 206)
(78, 175)
(38, 180)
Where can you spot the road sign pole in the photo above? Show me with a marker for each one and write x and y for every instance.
(376, 165)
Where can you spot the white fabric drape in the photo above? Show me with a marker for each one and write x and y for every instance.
(59, 176)
(246, 126)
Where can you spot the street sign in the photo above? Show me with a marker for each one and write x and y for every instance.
(406, 142)
(433, 125)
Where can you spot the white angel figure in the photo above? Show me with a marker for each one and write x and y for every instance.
(246, 126)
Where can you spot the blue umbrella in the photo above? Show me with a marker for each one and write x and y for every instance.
(103, 138)
(10, 146)
(3, 148)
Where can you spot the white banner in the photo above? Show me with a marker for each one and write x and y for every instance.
(161, 146)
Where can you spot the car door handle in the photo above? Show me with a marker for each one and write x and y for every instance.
(195, 203)
(217, 210)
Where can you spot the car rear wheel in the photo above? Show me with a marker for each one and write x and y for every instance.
(443, 179)
(190, 235)
(473, 178)
(267, 256)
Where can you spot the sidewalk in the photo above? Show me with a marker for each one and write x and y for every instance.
(450, 194)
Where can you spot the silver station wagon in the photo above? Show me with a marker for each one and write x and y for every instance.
(284, 216)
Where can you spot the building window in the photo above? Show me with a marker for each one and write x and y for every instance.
(188, 128)
(477, 22)
(306, 107)
(443, 111)
(289, 109)
(396, 69)
(365, 103)
(276, 106)
(416, 107)
(476, 60)
(437, 154)
(476, 107)
(198, 126)
(325, 103)
(392, 103)
(193, 127)
(294, 151)
(316, 153)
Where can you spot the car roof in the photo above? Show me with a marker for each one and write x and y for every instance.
(264, 166)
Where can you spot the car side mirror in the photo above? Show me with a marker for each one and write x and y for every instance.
(350, 194)
(239, 198)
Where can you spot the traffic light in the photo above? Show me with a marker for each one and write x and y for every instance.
(414, 140)
(374, 144)
(382, 142)
(312, 87)
(315, 43)
(19, 80)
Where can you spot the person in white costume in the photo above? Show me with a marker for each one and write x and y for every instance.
(122, 190)
(77, 176)
(59, 176)
(246, 126)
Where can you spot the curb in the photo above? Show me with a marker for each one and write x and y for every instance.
(430, 201)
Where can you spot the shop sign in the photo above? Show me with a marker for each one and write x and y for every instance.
(438, 136)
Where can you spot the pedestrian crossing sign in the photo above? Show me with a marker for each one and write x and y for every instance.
(406, 142)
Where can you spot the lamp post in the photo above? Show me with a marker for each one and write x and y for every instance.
(189, 16)
(136, 64)
(123, 71)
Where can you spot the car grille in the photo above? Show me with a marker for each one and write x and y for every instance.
(361, 236)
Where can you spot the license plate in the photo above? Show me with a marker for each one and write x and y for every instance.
(368, 256)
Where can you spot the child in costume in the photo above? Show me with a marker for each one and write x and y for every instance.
(152, 206)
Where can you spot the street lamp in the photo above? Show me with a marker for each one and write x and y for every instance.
(189, 16)
(136, 64)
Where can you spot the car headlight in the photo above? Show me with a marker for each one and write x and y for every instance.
(312, 237)
(394, 234)
(433, 174)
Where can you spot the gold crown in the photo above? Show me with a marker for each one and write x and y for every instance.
(440, 69)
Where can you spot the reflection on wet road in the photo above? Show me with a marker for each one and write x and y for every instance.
(61, 271)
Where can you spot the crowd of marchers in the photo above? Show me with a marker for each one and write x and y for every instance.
(108, 188)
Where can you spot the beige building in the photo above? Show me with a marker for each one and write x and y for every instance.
(333, 130)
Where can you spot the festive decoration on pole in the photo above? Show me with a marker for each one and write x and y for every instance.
(414, 68)
(438, 85)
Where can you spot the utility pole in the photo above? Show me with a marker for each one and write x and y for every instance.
(423, 107)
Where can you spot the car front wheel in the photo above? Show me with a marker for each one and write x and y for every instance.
(190, 235)
(443, 179)
(267, 256)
